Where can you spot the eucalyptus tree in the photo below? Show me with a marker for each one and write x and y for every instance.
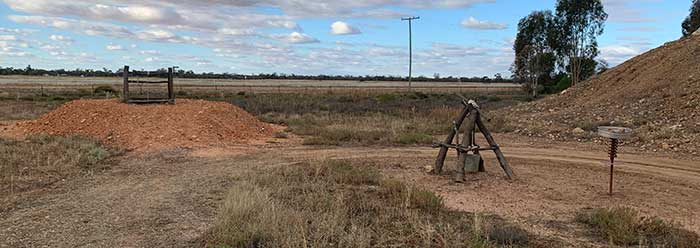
(579, 23)
(534, 50)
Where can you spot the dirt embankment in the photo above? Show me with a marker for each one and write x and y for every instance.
(186, 124)
(656, 93)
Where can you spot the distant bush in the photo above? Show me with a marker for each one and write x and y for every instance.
(181, 93)
(104, 90)
(562, 84)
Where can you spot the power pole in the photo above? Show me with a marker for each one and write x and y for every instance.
(410, 48)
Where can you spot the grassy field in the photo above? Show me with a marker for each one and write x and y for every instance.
(24, 85)
(317, 203)
(337, 204)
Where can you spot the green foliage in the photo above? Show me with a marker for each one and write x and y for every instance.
(534, 51)
(104, 90)
(388, 97)
(562, 84)
(692, 22)
(579, 23)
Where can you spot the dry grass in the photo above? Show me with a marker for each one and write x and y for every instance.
(338, 204)
(43, 160)
(625, 226)
(368, 128)
(25, 110)
(364, 119)
(324, 119)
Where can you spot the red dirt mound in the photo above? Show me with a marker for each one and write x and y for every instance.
(186, 124)
(656, 93)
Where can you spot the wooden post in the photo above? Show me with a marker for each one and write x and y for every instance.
(125, 93)
(466, 142)
(492, 142)
(171, 94)
(443, 150)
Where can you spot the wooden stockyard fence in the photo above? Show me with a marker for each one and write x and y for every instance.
(128, 98)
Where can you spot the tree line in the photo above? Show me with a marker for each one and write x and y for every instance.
(557, 49)
(29, 71)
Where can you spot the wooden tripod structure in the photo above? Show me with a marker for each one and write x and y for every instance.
(472, 114)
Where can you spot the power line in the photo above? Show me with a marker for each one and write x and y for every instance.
(410, 48)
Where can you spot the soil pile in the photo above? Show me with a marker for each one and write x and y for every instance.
(186, 124)
(656, 93)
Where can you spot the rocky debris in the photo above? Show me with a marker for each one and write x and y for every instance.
(186, 124)
(656, 93)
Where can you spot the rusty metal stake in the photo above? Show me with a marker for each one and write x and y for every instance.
(613, 154)
(615, 134)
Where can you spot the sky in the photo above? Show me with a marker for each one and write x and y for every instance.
(358, 37)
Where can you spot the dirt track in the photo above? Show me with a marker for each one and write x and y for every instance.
(170, 199)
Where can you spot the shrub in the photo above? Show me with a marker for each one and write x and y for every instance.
(624, 226)
(104, 90)
(507, 234)
(388, 97)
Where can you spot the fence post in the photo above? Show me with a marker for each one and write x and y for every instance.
(171, 94)
(125, 93)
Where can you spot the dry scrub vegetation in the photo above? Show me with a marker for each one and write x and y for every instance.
(363, 119)
(339, 204)
(625, 227)
(43, 160)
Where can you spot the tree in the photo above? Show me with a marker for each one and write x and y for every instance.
(534, 51)
(579, 23)
(692, 22)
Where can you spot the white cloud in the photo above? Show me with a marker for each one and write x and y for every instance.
(61, 38)
(343, 28)
(112, 47)
(89, 28)
(8, 38)
(239, 32)
(156, 35)
(149, 52)
(627, 11)
(297, 38)
(616, 54)
(51, 48)
(17, 31)
(473, 23)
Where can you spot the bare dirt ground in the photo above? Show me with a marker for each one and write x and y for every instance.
(170, 198)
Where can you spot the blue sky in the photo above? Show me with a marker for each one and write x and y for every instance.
(361, 37)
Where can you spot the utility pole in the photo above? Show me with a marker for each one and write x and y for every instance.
(410, 48)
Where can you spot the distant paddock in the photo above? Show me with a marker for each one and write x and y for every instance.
(18, 86)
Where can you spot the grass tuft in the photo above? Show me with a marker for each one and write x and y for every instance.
(625, 226)
(43, 160)
(336, 203)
